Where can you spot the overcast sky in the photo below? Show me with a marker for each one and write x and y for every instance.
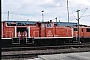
(31, 9)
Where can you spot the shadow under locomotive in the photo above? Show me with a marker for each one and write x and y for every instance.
(32, 41)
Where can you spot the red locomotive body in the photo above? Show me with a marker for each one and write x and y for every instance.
(41, 31)
(84, 32)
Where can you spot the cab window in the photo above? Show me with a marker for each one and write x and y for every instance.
(75, 29)
(88, 29)
(49, 25)
(82, 30)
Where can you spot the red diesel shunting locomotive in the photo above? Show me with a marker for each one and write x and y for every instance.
(41, 32)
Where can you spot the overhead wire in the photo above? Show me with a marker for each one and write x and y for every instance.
(83, 13)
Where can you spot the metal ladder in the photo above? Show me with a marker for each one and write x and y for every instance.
(16, 40)
(28, 40)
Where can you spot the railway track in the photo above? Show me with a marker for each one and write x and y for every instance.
(34, 51)
(41, 47)
(34, 47)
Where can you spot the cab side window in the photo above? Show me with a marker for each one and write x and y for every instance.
(88, 30)
(82, 30)
(75, 29)
(49, 25)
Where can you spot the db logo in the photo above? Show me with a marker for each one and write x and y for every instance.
(49, 32)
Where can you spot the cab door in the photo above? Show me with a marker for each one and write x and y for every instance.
(81, 32)
(20, 35)
(43, 30)
(21, 32)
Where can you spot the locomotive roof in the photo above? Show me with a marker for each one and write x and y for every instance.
(33, 22)
(65, 23)
(23, 22)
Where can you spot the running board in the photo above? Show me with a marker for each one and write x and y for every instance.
(29, 40)
(15, 40)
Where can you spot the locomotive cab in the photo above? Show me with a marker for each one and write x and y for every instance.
(22, 35)
(44, 27)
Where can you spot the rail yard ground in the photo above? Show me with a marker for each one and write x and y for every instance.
(67, 56)
(31, 52)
